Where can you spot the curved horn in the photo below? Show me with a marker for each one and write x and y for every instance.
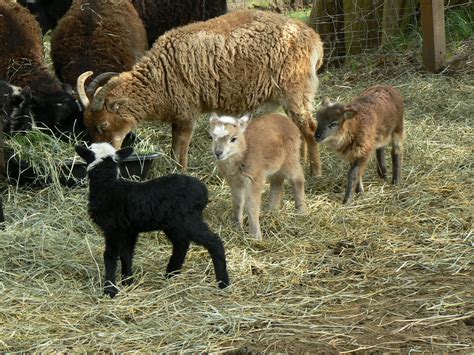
(80, 88)
(99, 97)
(92, 87)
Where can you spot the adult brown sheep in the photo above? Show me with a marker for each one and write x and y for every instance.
(98, 35)
(232, 64)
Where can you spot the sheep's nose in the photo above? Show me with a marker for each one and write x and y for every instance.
(218, 153)
(318, 136)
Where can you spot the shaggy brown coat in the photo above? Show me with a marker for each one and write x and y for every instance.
(246, 155)
(99, 35)
(354, 131)
(22, 60)
(232, 64)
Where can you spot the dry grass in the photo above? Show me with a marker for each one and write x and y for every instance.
(393, 271)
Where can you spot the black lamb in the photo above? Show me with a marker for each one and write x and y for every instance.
(123, 209)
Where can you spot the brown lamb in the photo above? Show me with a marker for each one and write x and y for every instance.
(248, 153)
(355, 130)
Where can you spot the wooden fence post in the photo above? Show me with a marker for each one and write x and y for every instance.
(434, 39)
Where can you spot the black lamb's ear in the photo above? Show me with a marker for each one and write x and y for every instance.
(123, 153)
(84, 153)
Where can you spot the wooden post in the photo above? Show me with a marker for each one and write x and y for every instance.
(434, 39)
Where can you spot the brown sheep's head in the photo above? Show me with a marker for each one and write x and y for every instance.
(102, 116)
(331, 117)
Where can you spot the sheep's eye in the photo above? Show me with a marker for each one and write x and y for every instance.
(233, 139)
(59, 104)
(333, 125)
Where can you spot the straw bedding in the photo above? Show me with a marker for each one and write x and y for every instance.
(393, 271)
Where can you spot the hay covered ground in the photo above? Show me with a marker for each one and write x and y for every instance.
(393, 271)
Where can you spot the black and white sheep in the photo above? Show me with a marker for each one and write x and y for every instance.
(98, 35)
(232, 64)
(15, 108)
(158, 16)
(22, 64)
(122, 209)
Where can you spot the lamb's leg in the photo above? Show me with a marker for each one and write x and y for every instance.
(297, 183)
(352, 178)
(276, 191)
(238, 203)
(111, 254)
(181, 137)
(180, 249)
(254, 200)
(381, 167)
(396, 159)
(362, 165)
(198, 232)
(126, 258)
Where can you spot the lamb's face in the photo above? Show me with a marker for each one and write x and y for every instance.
(227, 136)
(98, 152)
(330, 120)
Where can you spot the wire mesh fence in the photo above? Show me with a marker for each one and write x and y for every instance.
(355, 28)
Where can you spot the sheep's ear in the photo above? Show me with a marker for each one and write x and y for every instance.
(326, 101)
(243, 122)
(115, 105)
(213, 118)
(123, 153)
(84, 153)
(348, 113)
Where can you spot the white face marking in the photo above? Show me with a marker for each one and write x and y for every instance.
(219, 131)
(227, 119)
(15, 90)
(101, 151)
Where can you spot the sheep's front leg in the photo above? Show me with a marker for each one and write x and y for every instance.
(254, 200)
(352, 178)
(181, 138)
(111, 254)
(238, 203)
(126, 258)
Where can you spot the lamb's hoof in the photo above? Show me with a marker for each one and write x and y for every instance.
(222, 284)
(171, 274)
(110, 289)
(315, 173)
(127, 281)
(301, 209)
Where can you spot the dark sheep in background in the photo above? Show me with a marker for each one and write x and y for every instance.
(22, 64)
(123, 209)
(47, 12)
(98, 35)
(15, 108)
(158, 16)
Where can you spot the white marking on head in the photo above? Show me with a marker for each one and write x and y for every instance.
(15, 90)
(219, 131)
(227, 119)
(101, 151)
